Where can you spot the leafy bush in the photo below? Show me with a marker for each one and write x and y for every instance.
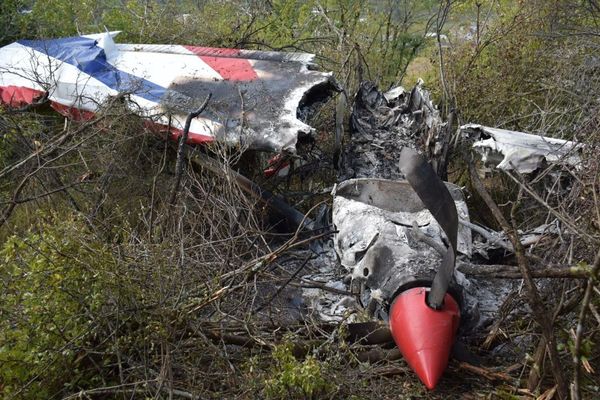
(293, 379)
(50, 292)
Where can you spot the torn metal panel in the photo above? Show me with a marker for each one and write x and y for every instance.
(256, 96)
(522, 152)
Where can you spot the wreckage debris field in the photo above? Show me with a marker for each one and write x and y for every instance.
(299, 200)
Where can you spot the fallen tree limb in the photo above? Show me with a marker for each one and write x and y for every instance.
(575, 386)
(238, 340)
(486, 373)
(492, 237)
(371, 332)
(514, 272)
(378, 354)
(141, 388)
(302, 348)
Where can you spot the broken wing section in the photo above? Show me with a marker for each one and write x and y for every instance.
(257, 96)
(523, 152)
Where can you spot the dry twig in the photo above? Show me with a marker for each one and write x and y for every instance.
(535, 301)
(181, 148)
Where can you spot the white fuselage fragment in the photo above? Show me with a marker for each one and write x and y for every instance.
(518, 151)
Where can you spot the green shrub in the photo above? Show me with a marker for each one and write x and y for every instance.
(295, 379)
(50, 290)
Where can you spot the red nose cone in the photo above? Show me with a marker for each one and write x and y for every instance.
(424, 336)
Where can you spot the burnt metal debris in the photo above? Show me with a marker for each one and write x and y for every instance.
(383, 123)
(377, 241)
(387, 240)
(397, 225)
(380, 218)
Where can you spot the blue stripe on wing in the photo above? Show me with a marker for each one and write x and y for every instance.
(84, 54)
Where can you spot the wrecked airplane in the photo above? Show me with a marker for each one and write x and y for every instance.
(256, 95)
(400, 229)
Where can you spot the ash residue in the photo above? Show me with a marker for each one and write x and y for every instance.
(381, 124)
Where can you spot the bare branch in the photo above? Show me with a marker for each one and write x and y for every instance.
(181, 149)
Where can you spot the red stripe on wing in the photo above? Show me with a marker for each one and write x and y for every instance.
(226, 62)
(19, 96)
